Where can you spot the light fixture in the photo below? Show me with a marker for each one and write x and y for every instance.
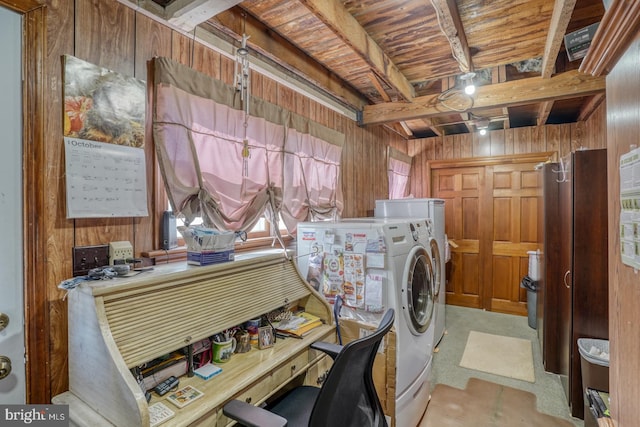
(482, 124)
(469, 87)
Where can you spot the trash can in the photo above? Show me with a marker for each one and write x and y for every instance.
(532, 300)
(594, 365)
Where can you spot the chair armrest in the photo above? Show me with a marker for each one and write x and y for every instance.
(252, 416)
(326, 347)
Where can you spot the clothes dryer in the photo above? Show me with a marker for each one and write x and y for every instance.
(392, 249)
(433, 210)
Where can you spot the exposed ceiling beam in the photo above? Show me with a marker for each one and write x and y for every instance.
(433, 126)
(506, 122)
(543, 112)
(518, 92)
(375, 81)
(232, 23)
(466, 120)
(186, 14)
(591, 106)
(562, 11)
(403, 128)
(451, 26)
(344, 25)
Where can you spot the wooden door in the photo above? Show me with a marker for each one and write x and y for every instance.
(491, 215)
(461, 190)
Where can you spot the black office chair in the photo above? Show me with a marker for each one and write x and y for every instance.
(347, 398)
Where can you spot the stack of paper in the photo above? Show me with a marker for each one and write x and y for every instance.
(298, 324)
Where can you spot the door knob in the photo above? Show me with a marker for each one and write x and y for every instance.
(5, 367)
(4, 321)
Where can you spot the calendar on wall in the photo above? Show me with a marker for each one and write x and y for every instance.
(104, 180)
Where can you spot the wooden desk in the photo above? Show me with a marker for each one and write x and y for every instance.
(119, 324)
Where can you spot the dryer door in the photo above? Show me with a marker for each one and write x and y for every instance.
(437, 266)
(417, 290)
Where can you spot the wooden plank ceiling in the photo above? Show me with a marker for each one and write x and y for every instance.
(401, 62)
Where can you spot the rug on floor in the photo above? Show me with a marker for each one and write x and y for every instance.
(499, 355)
(485, 404)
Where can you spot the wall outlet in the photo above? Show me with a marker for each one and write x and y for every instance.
(119, 252)
(87, 257)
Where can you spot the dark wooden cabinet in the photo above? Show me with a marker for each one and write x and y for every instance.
(573, 295)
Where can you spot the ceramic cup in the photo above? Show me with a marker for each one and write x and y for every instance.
(243, 343)
(252, 327)
(222, 351)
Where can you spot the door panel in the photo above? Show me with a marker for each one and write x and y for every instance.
(460, 188)
(491, 214)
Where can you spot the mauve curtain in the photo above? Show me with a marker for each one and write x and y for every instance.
(399, 167)
(198, 127)
(313, 189)
(198, 131)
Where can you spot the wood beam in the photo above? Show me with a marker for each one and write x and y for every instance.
(344, 25)
(571, 84)
(506, 122)
(562, 11)
(403, 128)
(543, 112)
(231, 22)
(591, 106)
(433, 125)
(186, 14)
(451, 26)
(375, 81)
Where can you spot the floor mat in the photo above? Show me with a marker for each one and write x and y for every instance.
(485, 404)
(499, 355)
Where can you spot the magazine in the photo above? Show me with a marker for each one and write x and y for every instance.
(298, 324)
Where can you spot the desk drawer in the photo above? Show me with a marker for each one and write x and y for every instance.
(290, 369)
(318, 372)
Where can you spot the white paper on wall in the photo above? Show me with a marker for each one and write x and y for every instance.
(104, 180)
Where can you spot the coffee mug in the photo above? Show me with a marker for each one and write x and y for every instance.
(222, 351)
(243, 343)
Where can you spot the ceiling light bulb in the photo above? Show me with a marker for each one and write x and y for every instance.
(483, 131)
(470, 89)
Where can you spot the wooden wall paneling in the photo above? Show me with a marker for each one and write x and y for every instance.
(482, 144)
(447, 148)
(206, 61)
(623, 128)
(466, 145)
(51, 333)
(497, 143)
(227, 69)
(538, 143)
(577, 135)
(347, 175)
(438, 148)
(152, 39)
(105, 36)
(301, 105)
(522, 140)
(181, 48)
(553, 137)
(509, 136)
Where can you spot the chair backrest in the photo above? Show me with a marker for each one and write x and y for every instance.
(348, 397)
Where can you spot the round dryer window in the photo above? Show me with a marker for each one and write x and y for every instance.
(418, 292)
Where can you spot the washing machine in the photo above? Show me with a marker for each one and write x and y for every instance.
(433, 210)
(394, 250)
